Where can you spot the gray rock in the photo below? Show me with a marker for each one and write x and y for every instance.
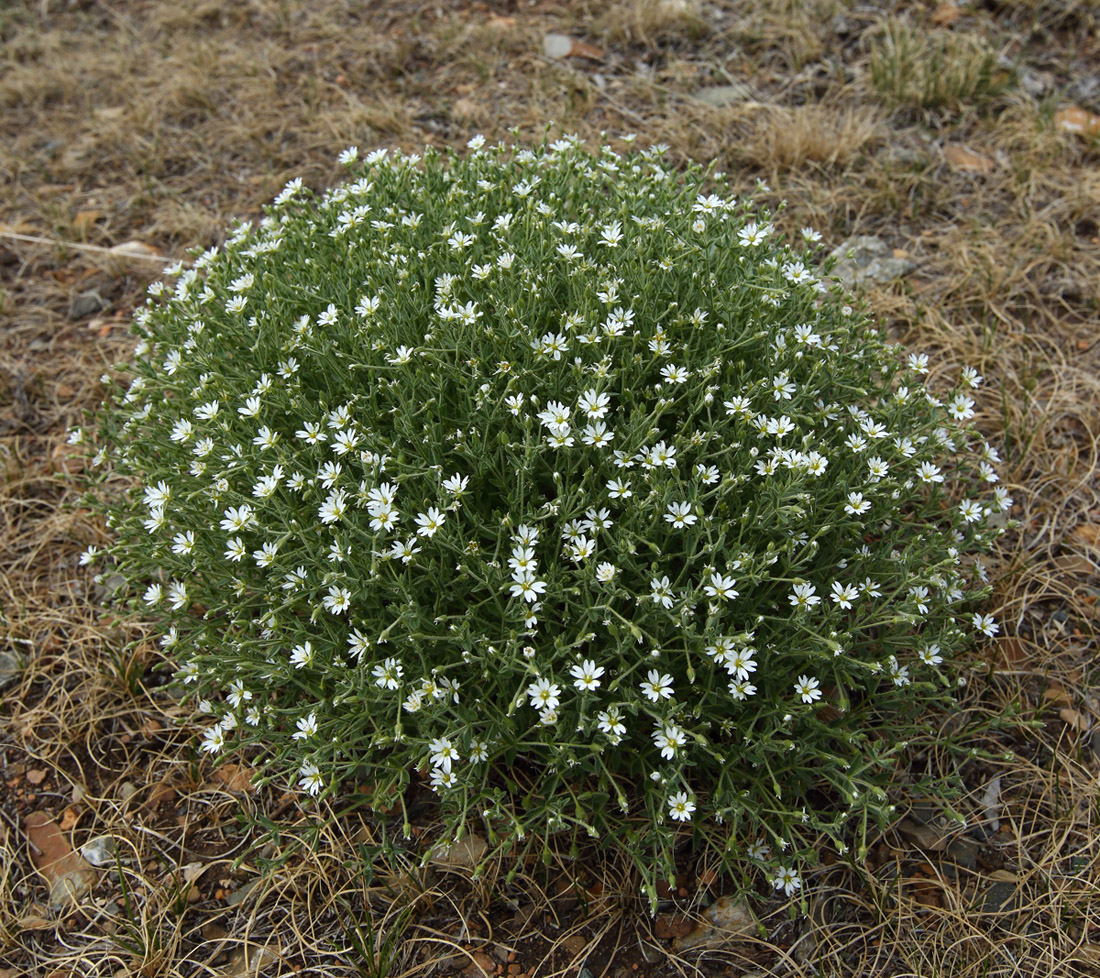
(87, 304)
(99, 851)
(721, 95)
(237, 897)
(11, 665)
(865, 258)
(1001, 897)
(68, 889)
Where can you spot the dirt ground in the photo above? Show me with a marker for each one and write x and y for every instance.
(964, 136)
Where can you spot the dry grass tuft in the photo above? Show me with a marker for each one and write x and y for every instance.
(651, 24)
(929, 69)
(808, 136)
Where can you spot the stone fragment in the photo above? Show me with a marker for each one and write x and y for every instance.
(87, 304)
(559, 46)
(722, 95)
(464, 854)
(724, 920)
(68, 876)
(866, 258)
(100, 851)
(11, 665)
(248, 961)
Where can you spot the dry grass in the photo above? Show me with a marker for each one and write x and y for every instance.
(159, 121)
(912, 66)
(808, 137)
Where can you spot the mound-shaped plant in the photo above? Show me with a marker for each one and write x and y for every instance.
(557, 481)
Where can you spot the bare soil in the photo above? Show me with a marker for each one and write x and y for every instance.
(936, 127)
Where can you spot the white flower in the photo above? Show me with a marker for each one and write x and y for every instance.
(237, 693)
(526, 535)
(266, 554)
(807, 688)
(961, 407)
(930, 654)
(307, 727)
(338, 599)
(680, 515)
(360, 643)
(605, 572)
(368, 305)
(680, 806)
(662, 591)
(544, 694)
(610, 723)
(177, 595)
(580, 549)
(594, 405)
(157, 495)
(442, 778)
(443, 753)
(782, 387)
(611, 234)
(898, 673)
(721, 587)
(877, 468)
(182, 430)
(428, 523)
(970, 510)
(985, 624)
(335, 506)
(522, 559)
(237, 518)
(856, 504)
(753, 235)
(741, 689)
(386, 674)
(803, 596)
(556, 415)
(656, 687)
(302, 655)
(597, 435)
(669, 738)
(619, 489)
(587, 675)
(844, 594)
(266, 438)
(404, 551)
(927, 472)
(527, 587)
(213, 740)
(787, 880)
(311, 779)
(758, 850)
(456, 484)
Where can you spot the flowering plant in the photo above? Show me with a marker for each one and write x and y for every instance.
(559, 482)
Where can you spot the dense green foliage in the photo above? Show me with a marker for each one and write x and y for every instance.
(560, 482)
